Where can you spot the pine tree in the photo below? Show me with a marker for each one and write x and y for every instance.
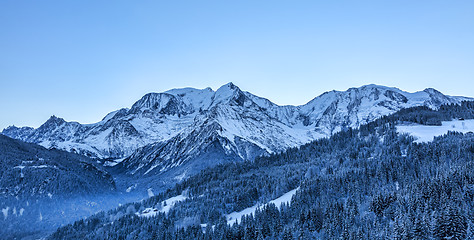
(451, 224)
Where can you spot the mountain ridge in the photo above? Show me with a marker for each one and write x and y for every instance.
(254, 120)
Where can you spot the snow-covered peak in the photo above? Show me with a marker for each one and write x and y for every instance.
(432, 91)
(187, 91)
(186, 100)
(227, 90)
(20, 133)
(151, 101)
(229, 85)
(191, 100)
(195, 98)
(376, 86)
(375, 94)
(164, 103)
(334, 110)
(54, 121)
(15, 128)
(229, 94)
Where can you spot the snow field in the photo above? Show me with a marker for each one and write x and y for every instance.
(424, 133)
(166, 206)
(237, 216)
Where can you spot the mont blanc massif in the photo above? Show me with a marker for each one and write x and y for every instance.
(372, 162)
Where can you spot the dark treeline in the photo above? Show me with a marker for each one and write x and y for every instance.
(366, 183)
(427, 116)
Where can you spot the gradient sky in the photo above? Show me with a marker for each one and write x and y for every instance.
(82, 59)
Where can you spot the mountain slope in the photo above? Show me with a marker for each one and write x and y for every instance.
(29, 170)
(42, 189)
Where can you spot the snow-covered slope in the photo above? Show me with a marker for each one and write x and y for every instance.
(236, 217)
(165, 130)
(164, 207)
(424, 133)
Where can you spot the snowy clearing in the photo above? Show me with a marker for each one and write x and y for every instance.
(129, 189)
(237, 216)
(5, 212)
(150, 192)
(424, 133)
(166, 206)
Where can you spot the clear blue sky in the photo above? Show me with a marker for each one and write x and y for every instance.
(82, 59)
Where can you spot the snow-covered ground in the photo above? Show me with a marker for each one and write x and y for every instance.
(129, 189)
(113, 162)
(150, 192)
(166, 206)
(237, 216)
(424, 133)
(5, 212)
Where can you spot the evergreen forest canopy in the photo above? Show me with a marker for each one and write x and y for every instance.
(40, 188)
(366, 183)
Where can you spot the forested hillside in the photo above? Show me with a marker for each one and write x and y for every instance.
(366, 183)
(43, 188)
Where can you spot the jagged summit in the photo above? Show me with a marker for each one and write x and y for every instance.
(55, 120)
(229, 93)
(227, 90)
(432, 91)
(230, 86)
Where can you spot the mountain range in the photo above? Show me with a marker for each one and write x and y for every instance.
(196, 128)
(178, 136)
